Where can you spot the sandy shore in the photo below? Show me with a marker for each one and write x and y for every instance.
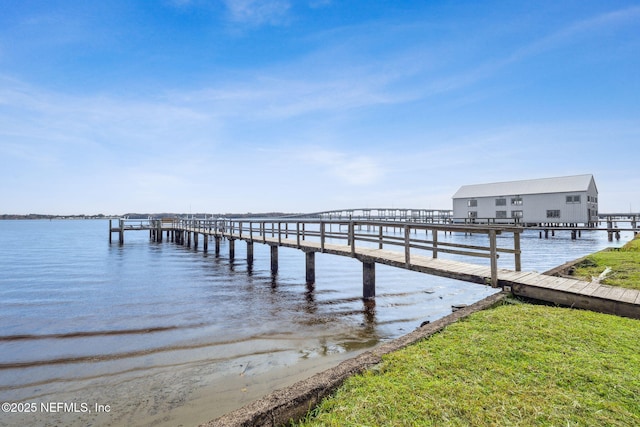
(172, 396)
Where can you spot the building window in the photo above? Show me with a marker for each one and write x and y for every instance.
(573, 199)
(501, 214)
(555, 213)
(473, 214)
(501, 202)
(516, 214)
(472, 203)
(516, 201)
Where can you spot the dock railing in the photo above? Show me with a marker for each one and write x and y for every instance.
(410, 237)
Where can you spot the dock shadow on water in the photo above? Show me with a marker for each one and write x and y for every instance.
(158, 334)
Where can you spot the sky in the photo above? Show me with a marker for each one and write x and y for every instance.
(310, 105)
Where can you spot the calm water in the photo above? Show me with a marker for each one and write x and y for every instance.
(163, 334)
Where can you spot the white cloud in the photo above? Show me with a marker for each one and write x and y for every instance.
(344, 167)
(258, 12)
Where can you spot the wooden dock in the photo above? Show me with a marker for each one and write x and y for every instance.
(371, 243)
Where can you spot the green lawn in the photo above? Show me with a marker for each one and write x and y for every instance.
(624, 263)
(515, 364)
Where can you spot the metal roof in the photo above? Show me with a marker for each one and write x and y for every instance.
(563, 184)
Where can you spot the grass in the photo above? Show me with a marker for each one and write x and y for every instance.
(513, 365)
(624, 263)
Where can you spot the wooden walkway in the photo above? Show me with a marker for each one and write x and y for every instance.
(420, 251)
(563, 291)
(573, 292)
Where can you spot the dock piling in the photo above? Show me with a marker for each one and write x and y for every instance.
(368, 279)
(274, 259)
(310, 266)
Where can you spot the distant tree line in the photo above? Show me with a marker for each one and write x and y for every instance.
(44, 216)
(146, 215)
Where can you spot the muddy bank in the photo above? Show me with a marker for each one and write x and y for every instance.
(292, 403)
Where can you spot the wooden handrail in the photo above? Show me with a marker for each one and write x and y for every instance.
(309, 230)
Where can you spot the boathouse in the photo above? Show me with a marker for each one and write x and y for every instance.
(561, 200)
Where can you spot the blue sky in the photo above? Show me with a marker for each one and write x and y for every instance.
(309, 105)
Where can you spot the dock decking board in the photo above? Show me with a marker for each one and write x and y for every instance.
(630, 296)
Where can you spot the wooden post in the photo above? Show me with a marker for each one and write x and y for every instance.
(352, 239)
(379, 237)
(205, 243)
(407, 247)
(232, 248)
(249, 253)
(494, 258)
(217, 245)
(274, 259)
(368, 279)
(435, 244)
(110, 230)
(121, 237)
(310, 264)
(518, 252)
(322, 236)
(195, 239)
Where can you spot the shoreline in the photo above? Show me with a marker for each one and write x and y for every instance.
(292, 403)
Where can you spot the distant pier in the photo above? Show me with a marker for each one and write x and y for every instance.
(608, 222)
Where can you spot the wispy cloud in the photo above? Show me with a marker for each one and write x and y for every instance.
(433, 75)
(258, 12)
(346, 167)
(595, 25)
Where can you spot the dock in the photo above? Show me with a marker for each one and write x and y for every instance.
(407, 245)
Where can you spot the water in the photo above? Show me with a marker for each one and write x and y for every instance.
(160, 334)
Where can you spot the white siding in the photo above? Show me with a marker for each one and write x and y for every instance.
(534, 206)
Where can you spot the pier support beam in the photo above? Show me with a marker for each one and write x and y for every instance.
(274, 259)
(205, 243)
(217, 245)
(368, 279)
(195, 240)
(310, 263)
(249, 253)
(232, 249)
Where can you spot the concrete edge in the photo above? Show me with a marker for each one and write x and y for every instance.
(293, 403)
